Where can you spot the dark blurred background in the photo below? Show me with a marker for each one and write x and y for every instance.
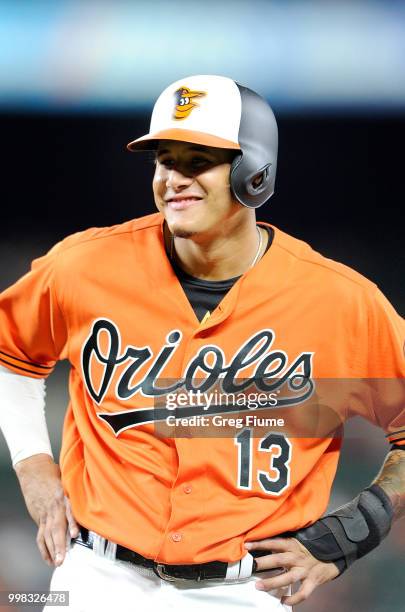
(77, 82)
(339, 184)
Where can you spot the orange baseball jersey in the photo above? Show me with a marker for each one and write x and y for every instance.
(109, 301)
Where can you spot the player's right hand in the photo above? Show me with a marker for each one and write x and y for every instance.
(44, 497)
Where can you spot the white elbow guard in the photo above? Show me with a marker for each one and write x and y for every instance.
(22, 415)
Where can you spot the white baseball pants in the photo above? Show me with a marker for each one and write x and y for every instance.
(96, 583)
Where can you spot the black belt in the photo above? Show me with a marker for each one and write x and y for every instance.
(214, 570)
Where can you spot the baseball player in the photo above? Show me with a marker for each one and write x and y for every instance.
(164, 318)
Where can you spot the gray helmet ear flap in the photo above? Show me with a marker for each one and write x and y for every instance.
(253, 172)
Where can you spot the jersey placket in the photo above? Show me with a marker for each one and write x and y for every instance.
(190, 488)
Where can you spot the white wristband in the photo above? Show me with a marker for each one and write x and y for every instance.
(22, 415)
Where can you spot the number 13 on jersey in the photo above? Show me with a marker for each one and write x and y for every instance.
(273, 482)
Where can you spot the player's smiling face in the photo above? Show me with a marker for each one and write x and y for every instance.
(191, 187)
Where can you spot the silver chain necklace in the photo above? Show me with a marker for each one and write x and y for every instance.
(255, 259)
(259, 248)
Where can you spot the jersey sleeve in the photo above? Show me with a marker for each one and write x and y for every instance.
(385, 368)
(33, 333)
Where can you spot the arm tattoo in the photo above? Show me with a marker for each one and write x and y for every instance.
(392, 480)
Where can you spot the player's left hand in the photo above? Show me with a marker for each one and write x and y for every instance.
(298, 564)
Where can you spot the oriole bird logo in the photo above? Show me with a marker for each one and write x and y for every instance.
(185, 103)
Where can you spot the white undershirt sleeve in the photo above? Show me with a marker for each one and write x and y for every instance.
(22, 415)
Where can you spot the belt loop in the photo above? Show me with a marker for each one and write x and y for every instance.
(232, 573)
(111, 551)
(246, 566)
(99, 544)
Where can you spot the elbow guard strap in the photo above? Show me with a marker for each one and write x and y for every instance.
(351, 531)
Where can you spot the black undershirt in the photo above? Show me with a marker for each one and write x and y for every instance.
(205, 295)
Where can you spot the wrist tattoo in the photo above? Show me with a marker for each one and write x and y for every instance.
(392, 480)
